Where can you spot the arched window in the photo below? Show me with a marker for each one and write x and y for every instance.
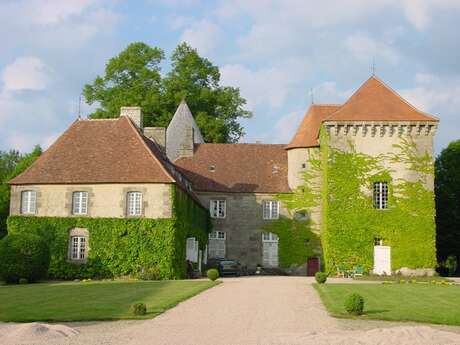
(78, 245)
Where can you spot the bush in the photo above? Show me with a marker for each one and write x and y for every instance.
(213, 274)
(320, 277)
(354, 304)
(24, 256)
(150, 273)
(139, 309)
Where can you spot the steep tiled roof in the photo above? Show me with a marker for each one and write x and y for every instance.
(98, 151)
(375, 101)
(237, 168)
(307, 133)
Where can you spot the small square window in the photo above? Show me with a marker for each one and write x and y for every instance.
(218, 208)
(304, 165)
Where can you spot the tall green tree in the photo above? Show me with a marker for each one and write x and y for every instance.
(133, 78)
(447, 188)
(16, 164)
(216, 108)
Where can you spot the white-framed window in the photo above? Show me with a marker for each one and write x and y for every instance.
(80, 203)
(217, 244)
(28, 202)
(269, 237)
(217, 208)
(78, 248)
(217, 235)
(134, 201)
(380, 195)
(270, 209)
(192, 249)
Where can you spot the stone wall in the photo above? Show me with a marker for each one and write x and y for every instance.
(243, 224)
(105, 200)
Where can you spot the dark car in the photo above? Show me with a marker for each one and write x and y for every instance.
(229, 267)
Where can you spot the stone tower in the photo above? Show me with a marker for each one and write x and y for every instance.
(182, 133)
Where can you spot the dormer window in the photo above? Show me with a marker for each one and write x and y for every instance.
(212, 168)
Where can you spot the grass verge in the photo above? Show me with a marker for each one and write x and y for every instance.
(396, 302)
(103, 300)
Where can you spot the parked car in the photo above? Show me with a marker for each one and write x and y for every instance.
(230, 267)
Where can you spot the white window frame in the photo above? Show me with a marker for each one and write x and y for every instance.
(380, 195)
(269, 237)
(78, 248)
(28, 202)
(134, 204)
(218, 208)
(217, 235)
(80, 203)
(270, 209)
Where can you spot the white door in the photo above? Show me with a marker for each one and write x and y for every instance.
(382, 260)
(269, 249)
(191, 252)
(217, 244)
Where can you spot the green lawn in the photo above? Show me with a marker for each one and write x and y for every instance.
(104, 300)
(397, 302)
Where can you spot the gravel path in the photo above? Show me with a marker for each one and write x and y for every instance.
(241, 311)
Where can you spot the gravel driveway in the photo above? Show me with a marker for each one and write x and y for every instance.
(241, 311)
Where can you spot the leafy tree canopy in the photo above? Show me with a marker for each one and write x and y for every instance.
(133, 78)
(447, 187)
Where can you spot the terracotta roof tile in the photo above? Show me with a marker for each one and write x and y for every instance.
(307, 133)
(375, 101)
(98, 151)
(244, 168)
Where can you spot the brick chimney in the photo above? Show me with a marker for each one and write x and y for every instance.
(158, 135)
(135, 114)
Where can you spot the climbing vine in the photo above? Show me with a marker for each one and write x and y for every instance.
(350, 223)
(341, 183)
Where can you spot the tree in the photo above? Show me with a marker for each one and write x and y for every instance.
(216, 108)
(133, 78)
(16, 164)
(447, 188)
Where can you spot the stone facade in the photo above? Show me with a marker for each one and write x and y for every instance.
(243, 224)
(104, 200)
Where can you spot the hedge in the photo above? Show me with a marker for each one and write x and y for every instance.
(122, 246)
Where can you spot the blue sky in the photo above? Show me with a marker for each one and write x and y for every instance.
(275, 51)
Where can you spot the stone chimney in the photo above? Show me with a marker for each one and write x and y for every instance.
(158, 135)
(135, 114)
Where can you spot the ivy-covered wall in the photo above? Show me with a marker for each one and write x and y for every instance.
(350, 223)
(122, 246)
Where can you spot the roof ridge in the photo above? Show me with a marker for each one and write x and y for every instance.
(386, 86)
(144, 144)
(108, 119)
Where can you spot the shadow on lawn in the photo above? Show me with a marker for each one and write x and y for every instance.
(376, 311)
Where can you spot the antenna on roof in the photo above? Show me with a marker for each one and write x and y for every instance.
(312, 96)
(79, 107)
(373, 66)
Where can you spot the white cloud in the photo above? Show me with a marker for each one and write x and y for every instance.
(365, 49)
(54, 11)
(25, 73)
(286, 127)
(202, 35)
(269, 86)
